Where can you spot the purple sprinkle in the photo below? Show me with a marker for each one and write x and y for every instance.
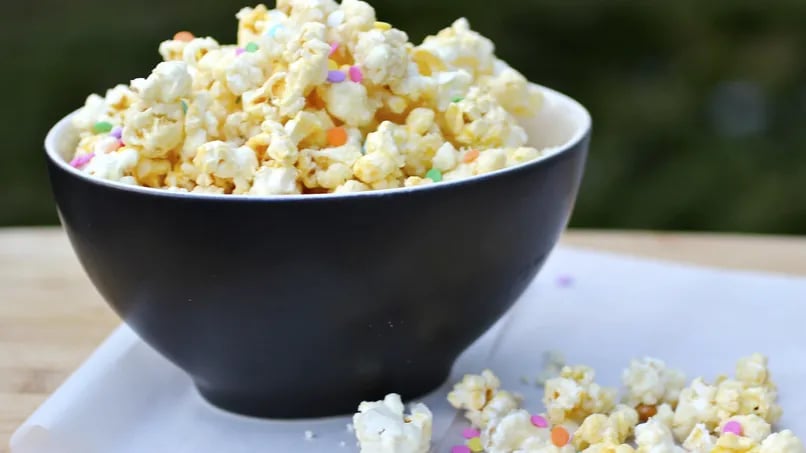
(80, 161)
(469, 433)
(461, 449)
(565, 281)
(335, 76)
(239, 51)
(117, 132)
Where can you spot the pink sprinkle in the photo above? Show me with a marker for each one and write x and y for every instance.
(469, 433)
(539, 421)
(333, 48)
(732, 427)
(121, 144)
(355, 74)
(335, 76)
(239, 51)
(565, 281)
(82, 160)
(461, 449)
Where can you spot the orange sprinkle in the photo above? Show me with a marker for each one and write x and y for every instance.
(559, 436)
(337, 136)
(184, 36)
(471, 155)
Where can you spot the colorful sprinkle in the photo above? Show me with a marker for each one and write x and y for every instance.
(475, 444)
(539, 421)
(560, 436)
(457, 99)
(469, 433)
(460, 449)
(732, 427)
(334, 46)
(565, 281)
(80, 161)
(356, 75)
(434, 175)
(117, 132)
(336, 136)
(470, 156)
(274, 29)
(184, 107)
(251, 47)
(184, 36)
(239, 51)
(383, 25)
(332, 65)
(102, 127)
(335, 76)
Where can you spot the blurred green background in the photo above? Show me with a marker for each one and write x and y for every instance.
(699, 106)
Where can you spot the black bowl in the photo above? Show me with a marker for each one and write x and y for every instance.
(298, 306)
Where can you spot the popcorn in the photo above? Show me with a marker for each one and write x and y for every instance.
(480, 398)
(514, 432)
(601, 428)
(265, 105)
(574, 396)
(648, 381)
(700, 440)
(697, 405)
(783, 442)
(655, 437)
(382, 427)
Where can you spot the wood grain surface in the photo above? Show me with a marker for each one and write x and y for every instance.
(51, 318)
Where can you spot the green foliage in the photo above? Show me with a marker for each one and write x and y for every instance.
(699, 107)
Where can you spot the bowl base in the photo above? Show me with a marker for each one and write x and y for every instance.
(315, 404)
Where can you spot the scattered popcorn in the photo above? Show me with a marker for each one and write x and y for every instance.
(480, 398)
(302, 79)
(655, 437)
(649, 382)
(610, 429)
(382, 427)
(573, 395)
(700, 440)
(783, 442)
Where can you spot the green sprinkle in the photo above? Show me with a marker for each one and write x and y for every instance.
(102, 127)
(434, 175)
(251, 47)
(184, 107)
(457, 99)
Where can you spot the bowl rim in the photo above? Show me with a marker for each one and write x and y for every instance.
(549, 154)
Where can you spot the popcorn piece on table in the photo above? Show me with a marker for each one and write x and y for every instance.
(517, 432)
(479, 396)
(782, 442)
(573, 395)
(700, 440)
(697, 405)
(649, 382)
(606, 429)
(382, 427)
(655, 437)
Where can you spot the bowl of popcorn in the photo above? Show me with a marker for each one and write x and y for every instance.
(322, 211)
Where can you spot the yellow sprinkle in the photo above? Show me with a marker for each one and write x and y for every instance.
(383, 25)
(475, 444)
(332, 65)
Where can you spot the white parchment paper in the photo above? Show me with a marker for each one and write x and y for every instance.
(598, 309)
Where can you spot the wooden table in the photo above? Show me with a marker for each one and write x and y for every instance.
(51, 318)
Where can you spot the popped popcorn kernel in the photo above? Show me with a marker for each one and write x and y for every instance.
(782, 442)
(573, 395)
(417, 114)
(650, 382)
(383, 427)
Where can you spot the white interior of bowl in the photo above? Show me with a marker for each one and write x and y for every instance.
(561, 123)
